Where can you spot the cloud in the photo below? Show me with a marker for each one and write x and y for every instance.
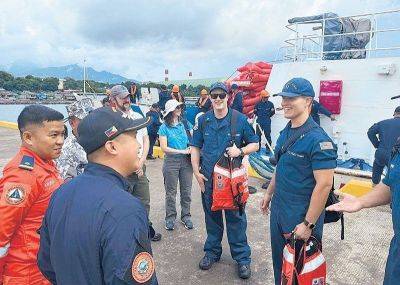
(139, 39)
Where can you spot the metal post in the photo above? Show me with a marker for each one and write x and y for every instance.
(84, 76)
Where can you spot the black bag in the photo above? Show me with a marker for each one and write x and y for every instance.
(333, 216)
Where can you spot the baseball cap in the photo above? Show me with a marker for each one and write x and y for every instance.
(234, 86)
(105, 124)
(297, 87)
(397, 110)
(80, 108)
(119, 91)
(219, 85)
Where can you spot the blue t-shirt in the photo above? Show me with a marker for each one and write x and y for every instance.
(176, 135)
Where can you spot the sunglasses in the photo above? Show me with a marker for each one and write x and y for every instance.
(179, 107)
(220, 95)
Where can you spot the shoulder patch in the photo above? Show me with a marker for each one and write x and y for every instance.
(15, 194)
(326, 145)
(27, 162)
(143, 267)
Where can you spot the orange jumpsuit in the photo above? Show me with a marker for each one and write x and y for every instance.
(25, 190)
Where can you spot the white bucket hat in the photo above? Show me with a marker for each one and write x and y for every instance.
(170, 106)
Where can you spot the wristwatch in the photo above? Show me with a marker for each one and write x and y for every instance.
(241, 152)
(308, 224)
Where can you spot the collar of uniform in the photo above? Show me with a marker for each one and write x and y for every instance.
(310, 120)
(49, 164)
(225, 121)
(105, 171)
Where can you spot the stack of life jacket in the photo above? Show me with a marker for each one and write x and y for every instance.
(303, 265)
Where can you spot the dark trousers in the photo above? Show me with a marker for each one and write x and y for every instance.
(382, 158)
(236, 226)
(152, 139)
(267, 134)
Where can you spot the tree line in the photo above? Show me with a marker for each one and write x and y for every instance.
(50, 84)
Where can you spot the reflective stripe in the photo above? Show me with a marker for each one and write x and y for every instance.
(289, 257)
(222, 171)
(313, 264)
(4, 250)
(239, 172)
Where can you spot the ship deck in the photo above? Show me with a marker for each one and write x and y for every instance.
(359, 259)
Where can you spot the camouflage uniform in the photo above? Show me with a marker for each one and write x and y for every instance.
(73, 158)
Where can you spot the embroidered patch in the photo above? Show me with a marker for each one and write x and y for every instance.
(326, 145)
(14, 194)
(111, 131)
(143, 267)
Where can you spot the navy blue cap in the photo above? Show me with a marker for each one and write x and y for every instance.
(297, 87)
(219, 85)
(234, 86)
(105, 124)
(397, 110)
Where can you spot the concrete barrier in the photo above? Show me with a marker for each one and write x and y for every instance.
(8, 125)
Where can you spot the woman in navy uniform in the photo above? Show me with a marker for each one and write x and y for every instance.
(303, 177)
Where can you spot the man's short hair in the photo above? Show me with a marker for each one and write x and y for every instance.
(37, 115)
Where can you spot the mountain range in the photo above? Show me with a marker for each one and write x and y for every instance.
(73, 71)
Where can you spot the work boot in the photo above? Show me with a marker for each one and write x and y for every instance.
(244, 271)
(169, 225)
(187, 223)
(153, 235)
(206, 262)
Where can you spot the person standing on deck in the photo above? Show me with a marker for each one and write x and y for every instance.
(204, 102)
(264, 110)
(210, 140)
(236, 98)
(28, 182)
(138, 180)
(153, 128)
(316, 109)
(73, 157)
(383, 135)
(299, 188)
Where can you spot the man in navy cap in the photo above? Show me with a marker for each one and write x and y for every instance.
(299, 188)
(94, 232)
(211, 138)
(383, 135)
(236, 98)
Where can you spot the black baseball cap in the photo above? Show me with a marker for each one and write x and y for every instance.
(397, 110)
(105, 124)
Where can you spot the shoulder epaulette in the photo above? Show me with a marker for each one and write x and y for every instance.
(27, 162)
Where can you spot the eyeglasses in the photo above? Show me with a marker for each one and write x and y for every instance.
(220, 95)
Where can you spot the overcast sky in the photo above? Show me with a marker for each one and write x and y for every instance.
(139, 39)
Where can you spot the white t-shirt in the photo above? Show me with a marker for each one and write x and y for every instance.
(140, 133)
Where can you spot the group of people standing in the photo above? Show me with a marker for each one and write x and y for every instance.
(97, 195)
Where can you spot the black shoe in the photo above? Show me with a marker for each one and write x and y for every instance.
(265, 185)
(156, 237)
(244, 271)
(206, 262)
(150, 157)
(252, 190)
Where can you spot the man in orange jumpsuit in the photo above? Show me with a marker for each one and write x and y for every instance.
(28, 181)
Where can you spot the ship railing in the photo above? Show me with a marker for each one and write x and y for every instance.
(310, 46)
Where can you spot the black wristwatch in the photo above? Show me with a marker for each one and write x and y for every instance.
(308, 224)
(241, 152)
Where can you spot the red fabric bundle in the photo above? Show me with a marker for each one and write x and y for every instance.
(252, 79)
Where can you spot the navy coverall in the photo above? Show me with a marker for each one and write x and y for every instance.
(317, 109)
(152, 129)
(264, 111)
(294, 185)
(237, 103)
(383, 135)
(95, 232)
(392, 179)
(163, 97)
(212, 137)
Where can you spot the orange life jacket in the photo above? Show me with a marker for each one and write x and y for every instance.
(230, 189)
(308, 267)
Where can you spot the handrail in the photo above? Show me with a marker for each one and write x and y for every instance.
(311, 46)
